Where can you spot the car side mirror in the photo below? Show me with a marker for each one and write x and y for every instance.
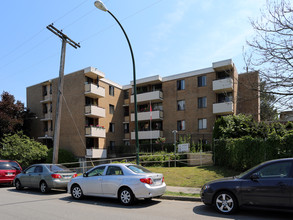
(254, 177)
(85, 175)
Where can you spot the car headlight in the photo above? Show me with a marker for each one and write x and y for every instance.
(205, 187)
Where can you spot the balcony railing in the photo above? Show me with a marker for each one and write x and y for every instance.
(91, 131)
(148, 96)
(47, 117)
(223, 108)
(95, 111)
(47, 98)
(142, 135)
(223, 85)
(96, 153)
(145, 116)
(94, 91)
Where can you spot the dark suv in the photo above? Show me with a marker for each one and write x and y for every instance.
(8, 170)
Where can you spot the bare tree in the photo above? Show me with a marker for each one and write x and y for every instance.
(272, 50)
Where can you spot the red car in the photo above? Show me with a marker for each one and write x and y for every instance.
(8, 170)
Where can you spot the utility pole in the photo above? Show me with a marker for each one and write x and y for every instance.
(65, 40)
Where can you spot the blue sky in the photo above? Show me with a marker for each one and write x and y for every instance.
(167, 36)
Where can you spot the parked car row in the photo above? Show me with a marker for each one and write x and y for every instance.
(126, 182)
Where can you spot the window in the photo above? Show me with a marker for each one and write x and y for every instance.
(113, 170)
(275, 170)
(181, 125)
(96, 172)
(39, 169)
(202, 123)
(126, 128)
(112, 127)
(201, 81)
(126, 110)
(44, 90)
(51, 107)
(126, 143)
(45, 109)
(50, 88)
(181, 105)
(112, 145)
(111, 90)
(225, 97)
(46, 126)
(202, 102)
(126, 94)
(30, 170)
(111, 109)
(181, 84)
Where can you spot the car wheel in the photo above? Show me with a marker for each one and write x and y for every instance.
(225, 202)
(44, 187)
(18, 185)
(126, 196)
(76, 192)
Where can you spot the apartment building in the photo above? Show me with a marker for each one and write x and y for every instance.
(91, 116)
(98, 114)
(189, 103)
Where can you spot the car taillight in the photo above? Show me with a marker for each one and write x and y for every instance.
(163, 179)
(146, 180)
(75, 175)
(56, 176)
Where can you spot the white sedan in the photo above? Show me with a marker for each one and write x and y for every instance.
(126, 182)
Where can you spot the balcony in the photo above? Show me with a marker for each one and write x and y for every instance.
(148, 96)
(145, 116)
(47, 98)
(48, 135)
(96, 153)
(93, 91)
(47, 117)
(92, 131)
(95, 111)
(223, 108)
(143, 135)
(223, 85)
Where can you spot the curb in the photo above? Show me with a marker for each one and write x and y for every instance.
(181, 198)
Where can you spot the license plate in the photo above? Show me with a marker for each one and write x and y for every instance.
(10, 174)
(157, 181)
(66, 176)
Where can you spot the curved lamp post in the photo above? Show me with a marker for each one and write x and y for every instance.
(100, 5)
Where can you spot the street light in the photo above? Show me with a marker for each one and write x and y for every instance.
(100, 5)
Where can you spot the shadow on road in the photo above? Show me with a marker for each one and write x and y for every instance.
(110, 202)
(243, 214)
(37, 191)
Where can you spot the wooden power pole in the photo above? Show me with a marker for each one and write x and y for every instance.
(65, 40)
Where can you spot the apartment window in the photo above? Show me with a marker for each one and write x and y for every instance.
(50, 88)
(111, 109)
(202, 102)
(181, 105)
(126, 128)
(111, 90)
(202, 123)
(181, 125)
(112, 145)
(181, 84)
(225, 97)
(112, 127)
(45, 109)
(51, 107)
(44, 90)
(126, 143)
(202, 81)
(126, 94)
(45, 126)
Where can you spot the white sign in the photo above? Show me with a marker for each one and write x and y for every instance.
(183, 148)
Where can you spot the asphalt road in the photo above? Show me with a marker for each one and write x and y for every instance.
(31, 204)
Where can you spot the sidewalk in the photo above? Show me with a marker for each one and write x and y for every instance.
(190, 190)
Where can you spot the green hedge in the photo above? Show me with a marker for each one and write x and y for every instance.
(245, 152)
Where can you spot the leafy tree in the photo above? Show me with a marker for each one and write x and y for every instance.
(11, 114)
(272, 49)
(21, 148)
(268, 112)
(64, 156)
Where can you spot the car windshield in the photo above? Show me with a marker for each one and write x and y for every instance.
(9, 166)
(138, 169)
(57, 168)
(246, 172)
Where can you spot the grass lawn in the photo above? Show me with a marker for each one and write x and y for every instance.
(192, 176)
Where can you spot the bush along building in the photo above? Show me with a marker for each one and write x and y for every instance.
(98, 114)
